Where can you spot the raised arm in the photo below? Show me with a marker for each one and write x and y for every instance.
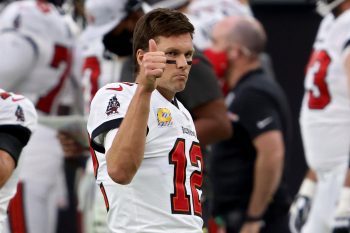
(127, 150)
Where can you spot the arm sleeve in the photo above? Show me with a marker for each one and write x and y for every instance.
(257, 113)
(13, 138)
(202, 85)
(17, 57)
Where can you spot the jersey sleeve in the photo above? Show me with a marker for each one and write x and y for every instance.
(202, 85)
(107, 111)
(17, 58)
(17, 110)
(18, 120)
(257, 113)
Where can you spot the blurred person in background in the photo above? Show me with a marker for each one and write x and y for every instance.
(36, 59)
(247, 170)
(324, 121)
(106, 43)
(300, 208)
(18, 120)
(204, 15)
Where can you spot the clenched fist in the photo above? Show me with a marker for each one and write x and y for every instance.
(153, 62)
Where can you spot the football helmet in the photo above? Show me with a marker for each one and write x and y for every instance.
(323, 7)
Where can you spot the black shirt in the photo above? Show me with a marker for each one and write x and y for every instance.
(257, 104)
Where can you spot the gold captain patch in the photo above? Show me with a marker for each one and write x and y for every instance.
(164, 117)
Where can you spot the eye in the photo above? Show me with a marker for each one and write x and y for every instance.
(171, 54)
(189, 55)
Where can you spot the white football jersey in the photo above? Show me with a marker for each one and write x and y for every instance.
(164, 195)
(37, 41)
(326, 98)
(14, 110)
(204, 14)
(96, 67)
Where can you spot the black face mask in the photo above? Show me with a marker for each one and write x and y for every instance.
(120, 44)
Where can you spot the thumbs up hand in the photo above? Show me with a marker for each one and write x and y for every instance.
(154, 63)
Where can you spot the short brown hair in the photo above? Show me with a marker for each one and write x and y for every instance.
(159, 22)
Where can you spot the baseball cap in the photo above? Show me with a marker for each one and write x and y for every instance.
(103, 15)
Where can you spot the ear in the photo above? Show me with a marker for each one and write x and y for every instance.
(236, 53)
(139, 56)
(233, 53)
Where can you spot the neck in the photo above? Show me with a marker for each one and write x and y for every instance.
(236, 73)
(166, 93)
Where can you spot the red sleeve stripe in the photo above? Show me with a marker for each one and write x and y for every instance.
(94, 159)
(102, 188)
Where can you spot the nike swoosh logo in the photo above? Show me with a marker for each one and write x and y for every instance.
(263, 123)
(120, 88)
(15, 100)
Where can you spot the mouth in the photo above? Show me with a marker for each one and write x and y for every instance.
(182, 77)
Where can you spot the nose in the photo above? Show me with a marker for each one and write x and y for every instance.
(181, 62)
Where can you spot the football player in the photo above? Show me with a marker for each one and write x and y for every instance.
(147, 156)
(106, 62)
(18, 120)
(324, 121)
(36, 44)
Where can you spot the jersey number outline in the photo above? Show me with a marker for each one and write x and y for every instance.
(322, 60)
(180, 200)
(62, 55)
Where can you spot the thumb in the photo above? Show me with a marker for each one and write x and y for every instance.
(152, 46)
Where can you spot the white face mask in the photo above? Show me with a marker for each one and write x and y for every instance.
(324, 8)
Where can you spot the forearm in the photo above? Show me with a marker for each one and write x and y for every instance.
(127, 150)
(210, 130)
(7, 165)
(267, 176)
(211, 122)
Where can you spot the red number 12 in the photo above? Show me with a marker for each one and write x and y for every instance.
(180, 199)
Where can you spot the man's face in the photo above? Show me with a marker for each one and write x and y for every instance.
(178, 50)
(219, 35)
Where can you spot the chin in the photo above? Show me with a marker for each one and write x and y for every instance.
(180, 88)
